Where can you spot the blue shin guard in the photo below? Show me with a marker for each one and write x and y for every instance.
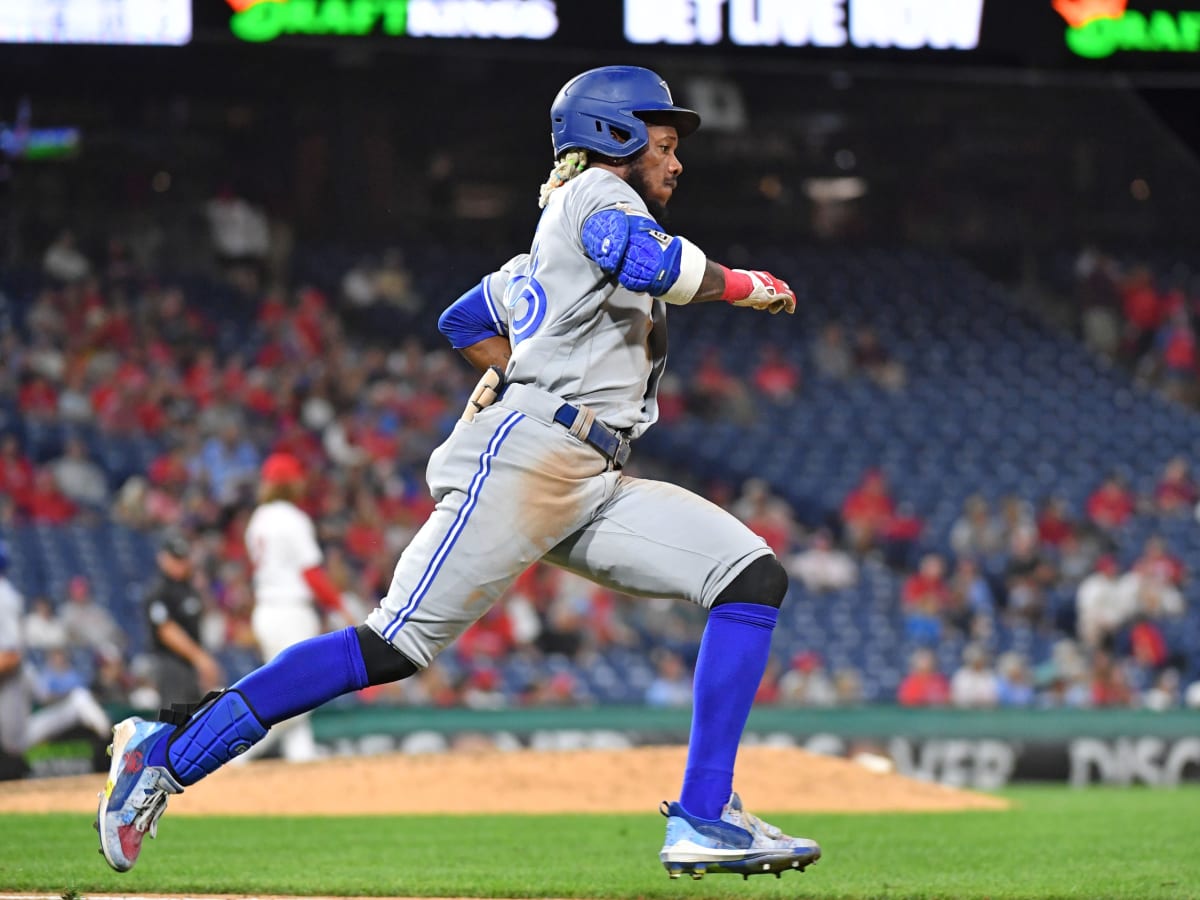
(216, 733)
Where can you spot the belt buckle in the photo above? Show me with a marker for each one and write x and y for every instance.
(624, 449)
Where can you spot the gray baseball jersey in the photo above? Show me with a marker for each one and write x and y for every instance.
(513, 487)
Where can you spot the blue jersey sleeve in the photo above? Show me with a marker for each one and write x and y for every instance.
(472, 318)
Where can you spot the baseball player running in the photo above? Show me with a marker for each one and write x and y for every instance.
(571, 339)
(282, 543)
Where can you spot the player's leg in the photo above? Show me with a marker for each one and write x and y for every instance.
(733, 655)
(508, 489)
(527, 488)
(152, 760)
(658, 539)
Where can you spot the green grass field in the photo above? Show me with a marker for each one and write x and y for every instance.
(1056, 842)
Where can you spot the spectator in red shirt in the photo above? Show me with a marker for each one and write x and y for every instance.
(110, 326)
(776, 378)
(924, 685)
(169, 467)
(768, 516)
(1176, 493)
(492, 637)
(257, 394)
(309, 320)
(868, 511)
(150, 411)
(900, 537)
(1054, 523)
(1143, 311)
(925, 597)
(292, 437)
(1109, 686)
(37, 398)
(203, 379)
(1110, 505)
(1148, 645)
(1158, 564)
(46, 503)
(1175, 347)
(672, 404)
(273, 310)
(16, 471)
(376, 440)
(233, 377)
(926, 588)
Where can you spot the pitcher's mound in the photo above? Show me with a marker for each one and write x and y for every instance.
(769, 780)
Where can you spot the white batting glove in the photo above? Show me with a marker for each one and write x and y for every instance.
(760, 290)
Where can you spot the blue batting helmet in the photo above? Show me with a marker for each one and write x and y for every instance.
(622, 98)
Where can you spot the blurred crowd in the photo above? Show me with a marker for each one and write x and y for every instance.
(1142, 318)
(107, 350)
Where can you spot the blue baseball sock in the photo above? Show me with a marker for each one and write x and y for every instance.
(300, 678)
(733, 657)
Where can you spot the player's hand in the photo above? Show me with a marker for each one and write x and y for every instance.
(765, 291)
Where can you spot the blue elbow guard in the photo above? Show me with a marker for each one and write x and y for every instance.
(632, 247)
(605, 237)
(651, 261)
(225, 728)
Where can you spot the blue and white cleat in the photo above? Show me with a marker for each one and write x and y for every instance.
(135, 796)
(737, 843)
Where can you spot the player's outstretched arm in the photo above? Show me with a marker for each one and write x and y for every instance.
(745, 287)
(643, 258)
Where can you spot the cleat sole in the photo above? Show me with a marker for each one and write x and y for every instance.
(759, 864)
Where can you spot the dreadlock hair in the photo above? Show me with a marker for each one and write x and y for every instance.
(567, 167)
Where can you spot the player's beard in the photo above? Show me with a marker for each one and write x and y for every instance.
(636, 179)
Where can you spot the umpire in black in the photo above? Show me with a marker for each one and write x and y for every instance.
(174, 609)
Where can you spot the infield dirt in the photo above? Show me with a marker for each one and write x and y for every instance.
(769, 779)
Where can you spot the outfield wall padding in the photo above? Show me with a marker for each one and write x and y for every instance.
(979, 749)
